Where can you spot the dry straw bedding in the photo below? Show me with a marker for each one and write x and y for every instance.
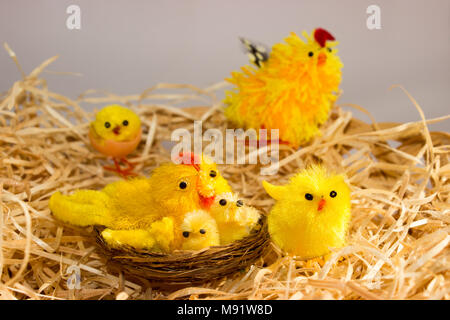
(399, 173)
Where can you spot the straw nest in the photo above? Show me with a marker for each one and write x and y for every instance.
(188, 267)
(398, 246)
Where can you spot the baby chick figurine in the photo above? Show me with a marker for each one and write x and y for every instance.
(311, 213)
(234, 219)
(290, 89)
(116, 132)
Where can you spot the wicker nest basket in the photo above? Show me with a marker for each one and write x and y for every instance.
(187, 267)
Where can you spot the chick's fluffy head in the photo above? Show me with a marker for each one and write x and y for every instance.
(117, 123)
(314, 192)
(211, 182)
(226, 209)
(199, 230)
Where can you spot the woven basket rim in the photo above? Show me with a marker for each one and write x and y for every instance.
(188, 266)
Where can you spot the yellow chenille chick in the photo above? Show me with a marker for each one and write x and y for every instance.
(311, 213)
(234, 219)
(158, 238)
(291, 89)
(199, 231)
(116, 132)
(132, 205)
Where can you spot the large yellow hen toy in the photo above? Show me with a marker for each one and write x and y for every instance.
(132, 206)
(116, 132)
(292, 90)
(311, 214)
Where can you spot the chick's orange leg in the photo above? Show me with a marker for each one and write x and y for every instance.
(116, 167)
(311, 262)
(130, 166)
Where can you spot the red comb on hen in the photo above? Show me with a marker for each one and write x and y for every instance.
(321, 36)
(190, 158)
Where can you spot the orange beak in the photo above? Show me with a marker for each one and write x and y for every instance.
(321, 59)
(321, 204)
(116, 130)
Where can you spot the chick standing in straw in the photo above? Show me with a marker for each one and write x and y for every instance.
(116, 132)
(311, 214)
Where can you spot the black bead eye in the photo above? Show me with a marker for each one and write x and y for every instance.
(202, 231)
(239, 203)
(223, 202)
(308, 196)
(186, 234)
(125, 122)
(212, 174)
(310, 54)
(333, 194)
(107, 124)
(183, 185)
(329, 49)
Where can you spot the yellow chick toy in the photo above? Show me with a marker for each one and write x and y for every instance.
(199, 231)
(292, 90)
(116, 132)
(234, 219)
(134, 205)
(311, 213)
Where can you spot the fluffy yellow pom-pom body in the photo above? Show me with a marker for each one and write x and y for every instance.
(292, 91)
(311, 214)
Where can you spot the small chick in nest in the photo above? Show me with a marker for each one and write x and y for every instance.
(234, 219)
(291, 89)
(199, 231)
(311, 213)
(116, 132)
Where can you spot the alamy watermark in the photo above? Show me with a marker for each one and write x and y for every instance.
(373, 21)
(73, 21)
(231, 149)
(74, 279)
